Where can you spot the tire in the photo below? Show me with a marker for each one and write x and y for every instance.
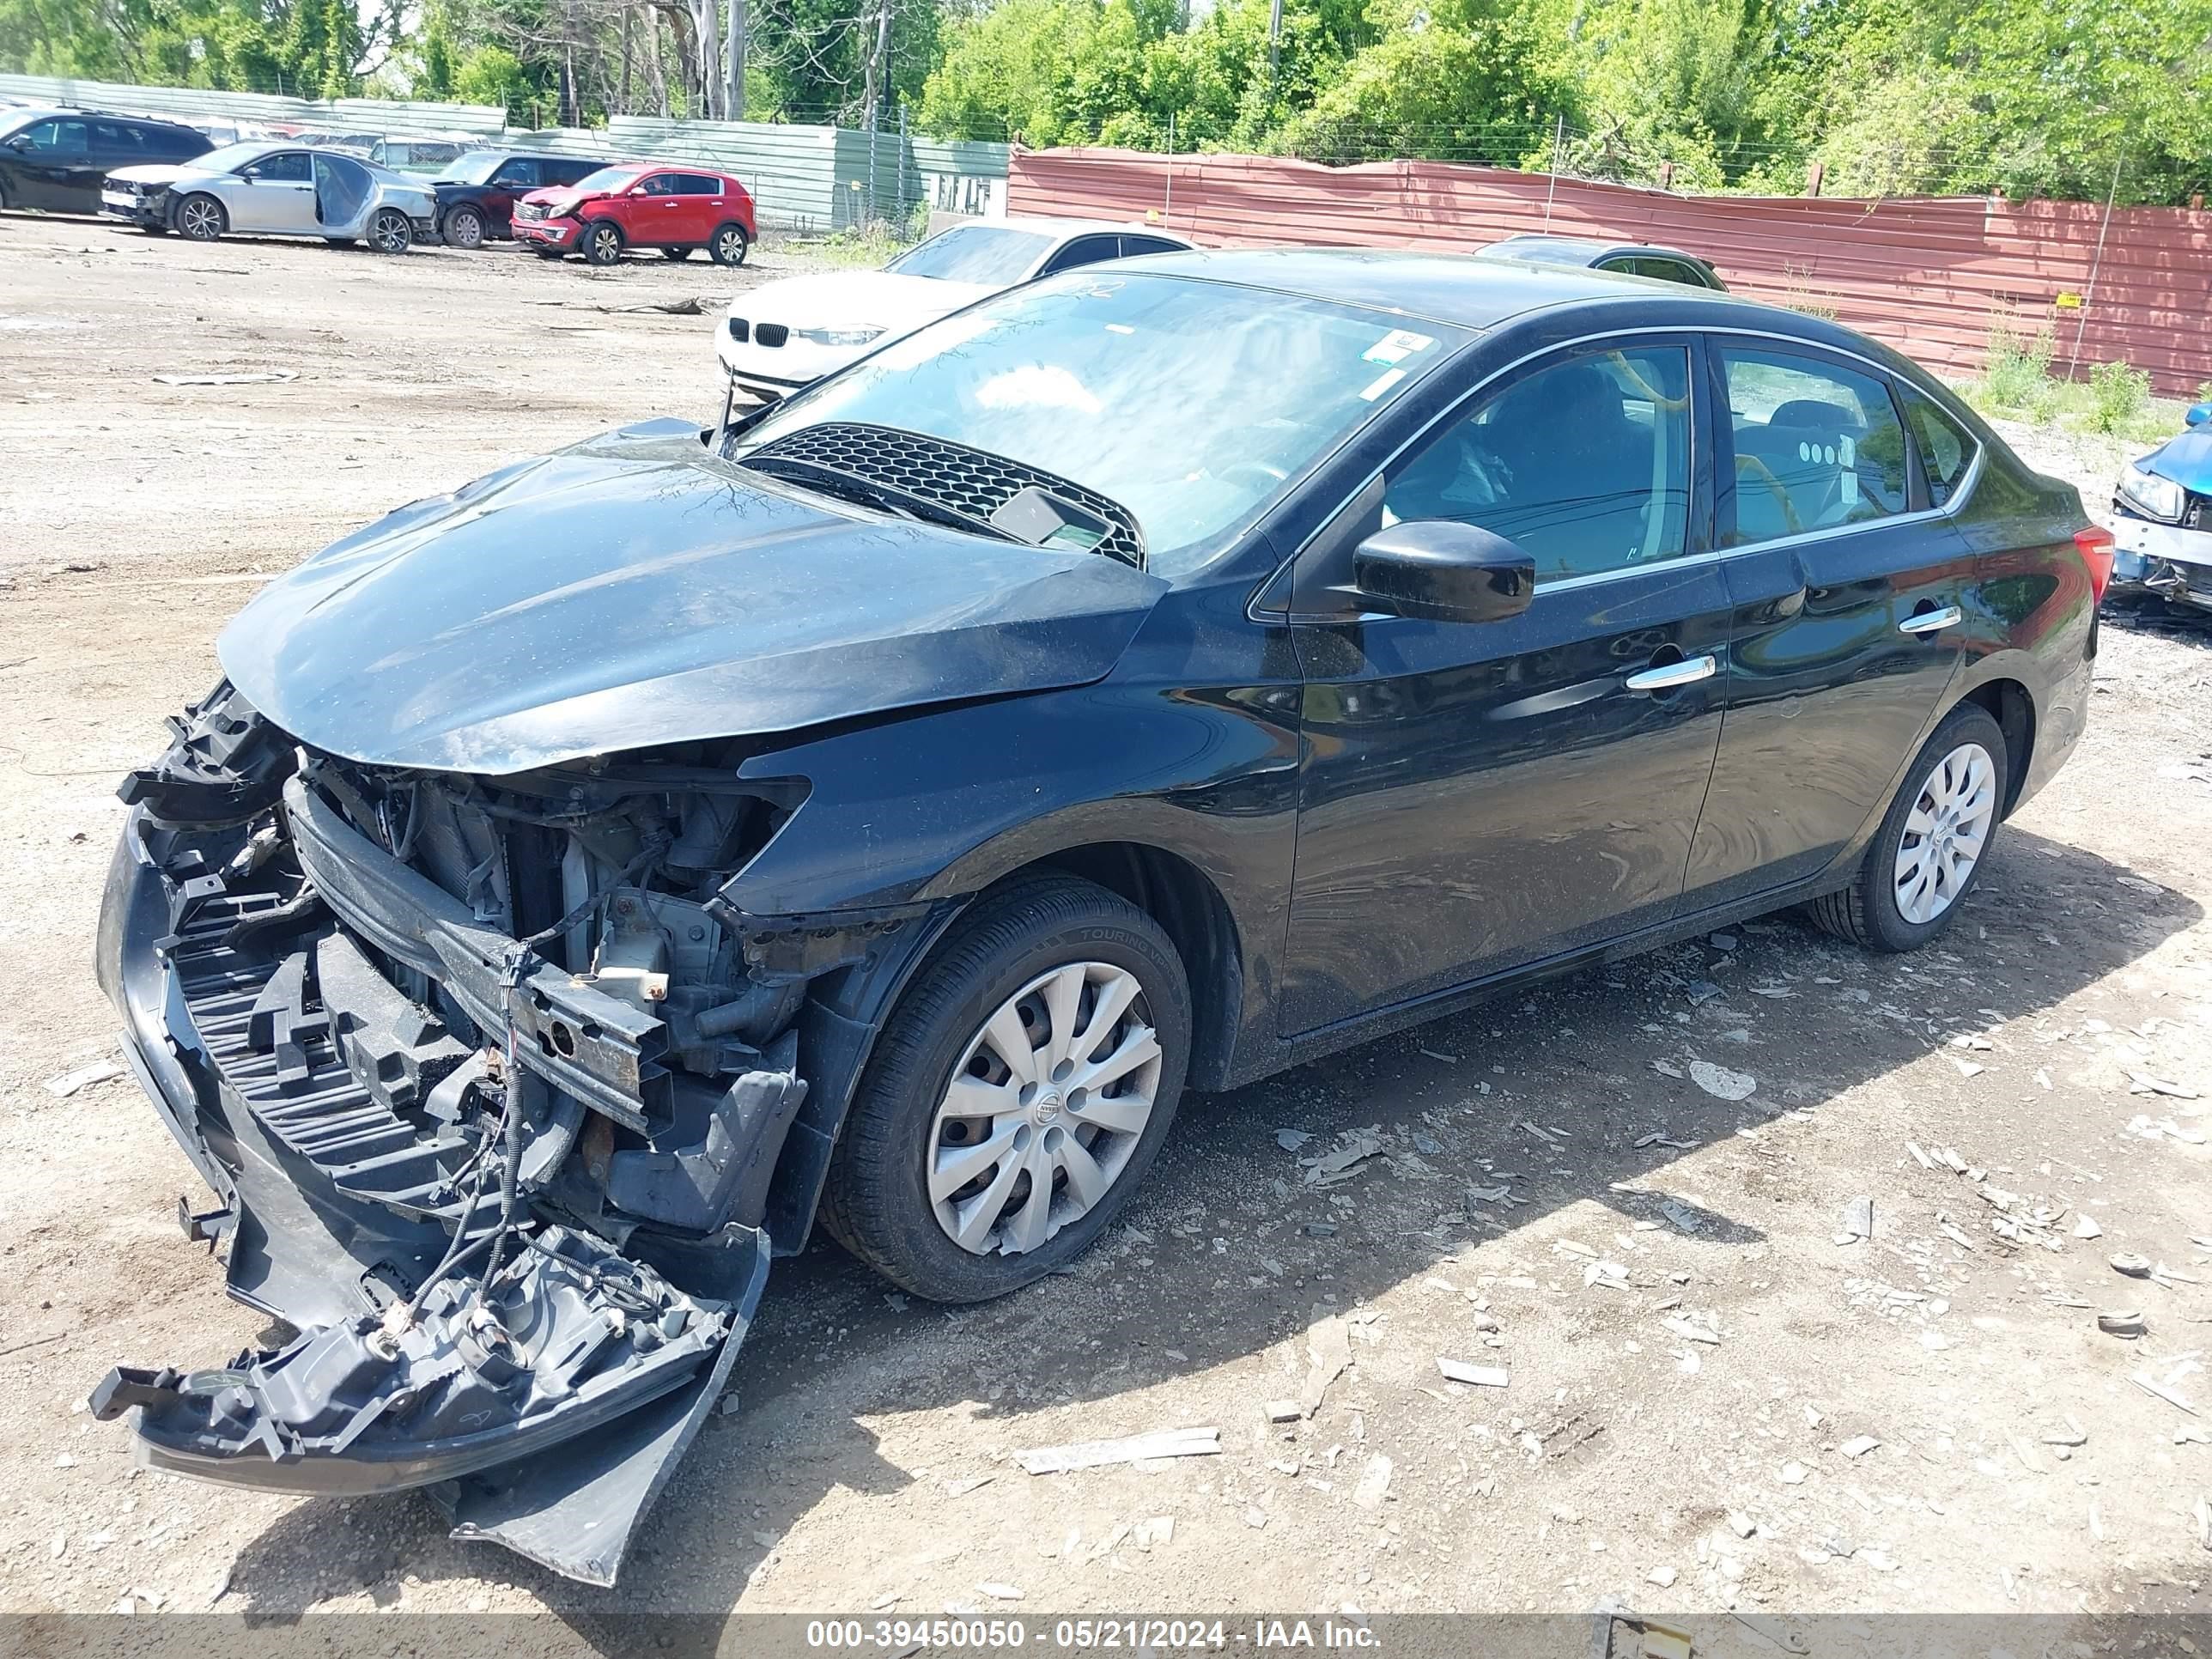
(729, 244)
(464, 228)
(1883, 909)
(602, 242)
(1001, 963)
(390, 232)
(676, 253)
(200, 218)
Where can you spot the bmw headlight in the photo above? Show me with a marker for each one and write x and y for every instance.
(838, 337)
(2151, 496)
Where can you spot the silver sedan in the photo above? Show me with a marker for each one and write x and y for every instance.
(273, 190)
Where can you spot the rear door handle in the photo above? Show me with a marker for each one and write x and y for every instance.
(1674, 675)
(1931, 622)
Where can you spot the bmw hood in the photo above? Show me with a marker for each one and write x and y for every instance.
(632, 591)
(2186, 459)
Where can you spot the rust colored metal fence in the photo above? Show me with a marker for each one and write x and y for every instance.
(1929, 275)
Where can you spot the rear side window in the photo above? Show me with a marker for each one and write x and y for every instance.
(1585, 464)
(110, 139)
(565, 173)
(1083, 251)
(1133, 246)
(1946, 448)
(1817, 446)
(698, 184)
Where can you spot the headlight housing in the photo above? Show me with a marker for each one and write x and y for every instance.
(838, 337)
(2151, 496)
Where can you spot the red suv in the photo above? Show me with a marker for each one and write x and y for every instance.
(639, 205)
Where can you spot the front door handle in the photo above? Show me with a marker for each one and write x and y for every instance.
(1931, 622)
(1673, 676)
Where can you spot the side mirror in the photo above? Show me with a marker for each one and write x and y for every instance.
(1444, 571)
(2197, 414)
(638, 190)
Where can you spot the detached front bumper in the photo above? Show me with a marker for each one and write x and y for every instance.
(543, 1404)
(2169, 560)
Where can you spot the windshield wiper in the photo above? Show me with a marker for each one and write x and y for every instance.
(887, 498)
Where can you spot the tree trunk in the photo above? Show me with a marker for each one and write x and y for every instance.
(622, 91)
(734, 62)
(656, 69)
(708, 27)
(879, 53)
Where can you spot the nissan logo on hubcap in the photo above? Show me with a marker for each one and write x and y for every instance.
(1046, 1108)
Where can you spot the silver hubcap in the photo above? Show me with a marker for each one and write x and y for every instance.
(732, 246)
(1044, 1109)
(604, 240)
(467, 233)
(1945, 832)
(390, 232)
(199, 218)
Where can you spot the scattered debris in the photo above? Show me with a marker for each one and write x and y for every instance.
(1791, 1473)
(1482, 1377)
(1095, 1454)
(84, 1077)
(1353, 1148)
(1160, 1529)
(961, 1488)
(1660, 1138)
(2142, 1083)
(2085, 1226)
(276, 376)
(1721, 1083)
(2133, 1266)
(1684, 1219)
(1374, 1484)
(1663, 1577)
(1683, 1327)
(2129, 1324)
(1702, 991)
(1449, 1059)
(1859, 1445)
(998, 1592)
(1666, 1068)
(1741, 1524)
(2160, 1390)
(1859, 1221)
(1286, 1411)
(1290, 1139)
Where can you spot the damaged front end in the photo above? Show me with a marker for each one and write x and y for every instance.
(490, 1080)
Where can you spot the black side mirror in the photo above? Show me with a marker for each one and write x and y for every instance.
(1444, 570)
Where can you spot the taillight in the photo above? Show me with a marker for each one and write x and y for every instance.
(2095, 546)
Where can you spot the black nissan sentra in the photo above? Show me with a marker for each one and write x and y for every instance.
(879, 813)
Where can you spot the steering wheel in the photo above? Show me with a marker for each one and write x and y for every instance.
(1762, 473)
(1268, 473)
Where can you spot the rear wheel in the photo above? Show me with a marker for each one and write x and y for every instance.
(201, 218)
(1932, 843)
(728, 244)
(389, 232)
(464, 229)
(1018, 1095)
(603, 243)
(676, 253)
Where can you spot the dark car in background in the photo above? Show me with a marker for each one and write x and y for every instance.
(55, 159)
(627, 204)
(478, 191)
(1667, 265)
(584, 884)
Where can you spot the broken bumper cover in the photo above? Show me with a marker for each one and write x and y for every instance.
(2170, 560)
(542, 1384)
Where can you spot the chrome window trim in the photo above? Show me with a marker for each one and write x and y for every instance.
(1951, 508)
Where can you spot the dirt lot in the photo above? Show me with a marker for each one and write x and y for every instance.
(1688, 1428)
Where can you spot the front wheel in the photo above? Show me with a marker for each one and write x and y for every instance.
(728, 244)
(464, 229)
(603, 244)
(1932, 843)
(1019, 1093)
(201, 218)
(389, 232)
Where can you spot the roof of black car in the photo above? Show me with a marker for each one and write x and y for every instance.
(1447, 287)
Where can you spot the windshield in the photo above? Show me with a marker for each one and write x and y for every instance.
(975, 253)
(474, 169)
(605, 179)
(230, 157)
(1190, 403)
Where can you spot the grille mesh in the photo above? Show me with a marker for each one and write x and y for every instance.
(966, 480)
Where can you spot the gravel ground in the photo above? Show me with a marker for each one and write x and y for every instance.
(1712, 1403)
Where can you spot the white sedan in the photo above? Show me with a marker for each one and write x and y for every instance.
(781, 337)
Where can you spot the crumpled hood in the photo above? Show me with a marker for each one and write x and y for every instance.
(155, 173)
(856, 299)
(560, 203)
(630, 591)
(2186, 459)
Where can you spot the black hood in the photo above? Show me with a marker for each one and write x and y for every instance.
(632, 591)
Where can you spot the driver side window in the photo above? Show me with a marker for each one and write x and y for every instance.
(1585, 464)
(288, 166)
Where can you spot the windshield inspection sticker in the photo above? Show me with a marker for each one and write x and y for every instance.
(1396, 346)
(1382, 383)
